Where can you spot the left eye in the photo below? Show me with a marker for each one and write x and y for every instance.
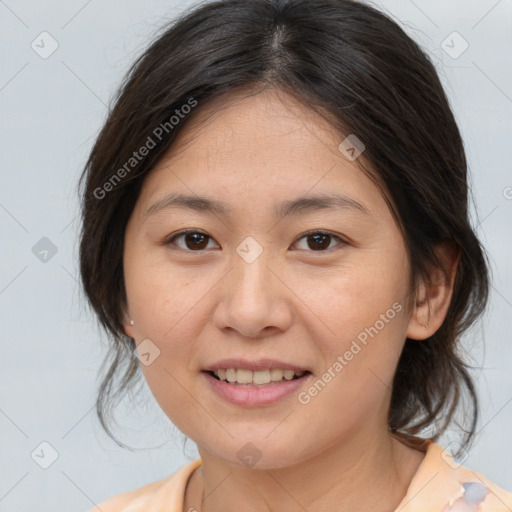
(320, 240)
(197, 241)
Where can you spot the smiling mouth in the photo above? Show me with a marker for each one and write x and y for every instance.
(241, 377)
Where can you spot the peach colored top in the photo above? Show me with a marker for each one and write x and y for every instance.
(439, 485)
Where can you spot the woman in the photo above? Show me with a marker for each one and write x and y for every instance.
(275, 224)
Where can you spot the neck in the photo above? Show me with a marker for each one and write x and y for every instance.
(365, 473)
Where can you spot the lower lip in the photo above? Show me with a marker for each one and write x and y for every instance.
(253, 396)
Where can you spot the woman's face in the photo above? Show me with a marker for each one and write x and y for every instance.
(254, 284)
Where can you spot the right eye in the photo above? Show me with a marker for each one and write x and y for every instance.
(193, 240)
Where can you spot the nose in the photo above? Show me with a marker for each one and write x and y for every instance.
(254, 301)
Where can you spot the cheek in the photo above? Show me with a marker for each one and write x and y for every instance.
(366, 290)
(169, 307)
(169, 313)
(164, 298)
(362, 329)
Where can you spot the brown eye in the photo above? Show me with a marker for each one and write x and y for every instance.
(192, 240)
(319, 241)
(195, 241)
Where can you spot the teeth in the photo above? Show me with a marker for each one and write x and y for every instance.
(230, 375)
(288, 374)
(276, 374)
(242, 376)
(260, 376)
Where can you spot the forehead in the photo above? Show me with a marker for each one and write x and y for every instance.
(258, 149)
(255, 127)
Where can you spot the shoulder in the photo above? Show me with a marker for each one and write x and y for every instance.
(168, 492)
(443, 485)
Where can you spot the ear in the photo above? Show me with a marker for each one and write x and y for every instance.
(128, 326)
(433, 296)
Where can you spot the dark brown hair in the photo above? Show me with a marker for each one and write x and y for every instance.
(351, 63)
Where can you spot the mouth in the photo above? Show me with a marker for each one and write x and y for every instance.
(255, 388)
(257, 378)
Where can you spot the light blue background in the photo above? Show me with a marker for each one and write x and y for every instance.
(51, 111)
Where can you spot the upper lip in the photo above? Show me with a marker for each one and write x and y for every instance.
(260, 364)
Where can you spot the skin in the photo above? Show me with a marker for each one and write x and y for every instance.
(293, 303)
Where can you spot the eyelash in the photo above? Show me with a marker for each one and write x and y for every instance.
(170, 240)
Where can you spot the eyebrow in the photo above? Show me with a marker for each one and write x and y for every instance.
(293, 207)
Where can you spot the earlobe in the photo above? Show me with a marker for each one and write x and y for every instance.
(128, 326)
(434, 295)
